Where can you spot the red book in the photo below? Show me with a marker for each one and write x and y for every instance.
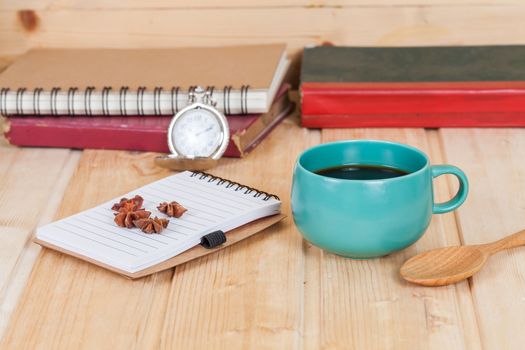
(137, 133)
(481, 86)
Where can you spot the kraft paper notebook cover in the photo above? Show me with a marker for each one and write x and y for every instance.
(212, 204)
(242, 79)
(464, 86)
(135, 133)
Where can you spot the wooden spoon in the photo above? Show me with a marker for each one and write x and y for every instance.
(442, 266)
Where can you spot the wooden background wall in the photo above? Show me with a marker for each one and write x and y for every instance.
(162, 23)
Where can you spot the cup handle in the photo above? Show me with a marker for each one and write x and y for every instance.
(459, 198)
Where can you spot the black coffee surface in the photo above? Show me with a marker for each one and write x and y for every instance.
(361, 172)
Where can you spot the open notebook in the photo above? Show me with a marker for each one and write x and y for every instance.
(213, 204)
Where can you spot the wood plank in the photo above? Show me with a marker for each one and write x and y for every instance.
(32, 182)
(101, 4)
(101, 309)
(157, 4)
(24, 4)
(12, 34)
(360, 25)
(493, 162)
(366, 305)
(249, 295)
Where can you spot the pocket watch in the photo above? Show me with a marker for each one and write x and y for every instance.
(197, 135)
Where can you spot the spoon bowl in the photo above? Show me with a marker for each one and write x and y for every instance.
(444, 266)
(448, 265)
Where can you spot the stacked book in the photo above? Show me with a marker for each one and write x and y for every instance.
(464, 86)
(124, 99)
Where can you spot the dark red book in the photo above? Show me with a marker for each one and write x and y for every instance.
(469, 86)
(137, 133)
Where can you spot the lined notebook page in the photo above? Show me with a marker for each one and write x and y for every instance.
(213, 204)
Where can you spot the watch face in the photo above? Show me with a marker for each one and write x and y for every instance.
(197, 133)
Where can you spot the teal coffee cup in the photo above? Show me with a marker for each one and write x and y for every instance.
(367, 218)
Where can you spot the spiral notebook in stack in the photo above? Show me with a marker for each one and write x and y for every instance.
(107, 92)
(213, 204)
(242, 79)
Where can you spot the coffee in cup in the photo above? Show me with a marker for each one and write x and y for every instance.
(366, 198)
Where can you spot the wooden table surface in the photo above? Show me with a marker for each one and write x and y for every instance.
(273, 290)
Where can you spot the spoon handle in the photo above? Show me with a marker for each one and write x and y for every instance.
(515, 240)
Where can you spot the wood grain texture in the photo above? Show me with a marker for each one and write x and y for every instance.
(287, 293)
(493, 162)
(31, 185)
(297, 26)
(234, 303)
(101, 310)
(366, 305)
(249, 295)
(442, 266)
(166, 4)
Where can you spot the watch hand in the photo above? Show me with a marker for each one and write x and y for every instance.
(204, 131)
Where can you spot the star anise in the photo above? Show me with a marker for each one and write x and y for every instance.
(132, 204)
(151, 225)
(172, 209)
(125, 218)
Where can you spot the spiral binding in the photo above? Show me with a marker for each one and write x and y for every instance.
(226, 99)
(244, 99)
(19, 97)
(36, 100)
(156, 99)
(123, 93)
(232, 184)
(54, 93)
(3, 102)
(175, 93)
(140, 100)
(191, 93)
(70, 99)
(210, 90)
(87, 100)
(105, 100)
(122, 100)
